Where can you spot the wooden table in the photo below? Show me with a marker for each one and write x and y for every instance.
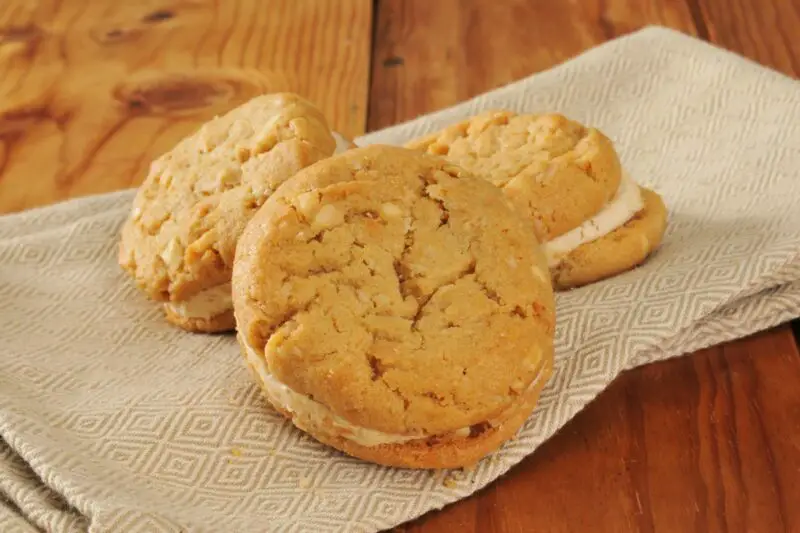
(92, 90)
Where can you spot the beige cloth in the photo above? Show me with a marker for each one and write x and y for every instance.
(128, 424)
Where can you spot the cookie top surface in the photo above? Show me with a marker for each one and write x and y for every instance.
(397, 290)
(555, 171)
(196, 200)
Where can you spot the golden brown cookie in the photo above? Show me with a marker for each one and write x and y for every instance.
(564, 178)
(556, 172)
(179, 241)
(394, 307)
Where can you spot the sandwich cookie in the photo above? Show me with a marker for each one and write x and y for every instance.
(178, 243)
(592, 219)
(395, 307)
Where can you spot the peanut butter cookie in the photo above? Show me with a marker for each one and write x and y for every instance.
(179, 242)
(565, 179)
(395, 307)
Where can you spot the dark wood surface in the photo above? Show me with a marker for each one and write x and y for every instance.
(704, 443)
(92, 90)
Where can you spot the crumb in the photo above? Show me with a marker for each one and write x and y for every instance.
(236, 452)
(272, 451)
(452, 478)
(304, 482)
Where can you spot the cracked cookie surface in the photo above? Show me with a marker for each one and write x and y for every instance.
(398, 291)
(556, 172)
(181, 235)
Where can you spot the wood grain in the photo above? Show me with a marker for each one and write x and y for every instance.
(765, 32)
(704, 443)
(91, 91)
(429, 55)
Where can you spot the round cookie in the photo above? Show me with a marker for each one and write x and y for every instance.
(620, 250)
(179, 241)
(394, 307)
(556, 172)
(562, 177)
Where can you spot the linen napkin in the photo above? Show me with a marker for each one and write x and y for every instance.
(114, 421)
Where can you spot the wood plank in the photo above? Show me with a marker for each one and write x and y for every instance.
(92, 91)
(430, 55)
(765, 32)
(701, 443)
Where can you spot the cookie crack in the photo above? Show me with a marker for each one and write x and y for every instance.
(288, 316)
(503, 183)
(377, 366)
(399, 264)
(444, 213)
(401, 270)
(518, 311)
(399, 394)
(423, 301)
(489, 292)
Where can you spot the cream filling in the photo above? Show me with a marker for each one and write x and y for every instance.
(205, 304)
(307, 410)
(342, 144)
(627, 201)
